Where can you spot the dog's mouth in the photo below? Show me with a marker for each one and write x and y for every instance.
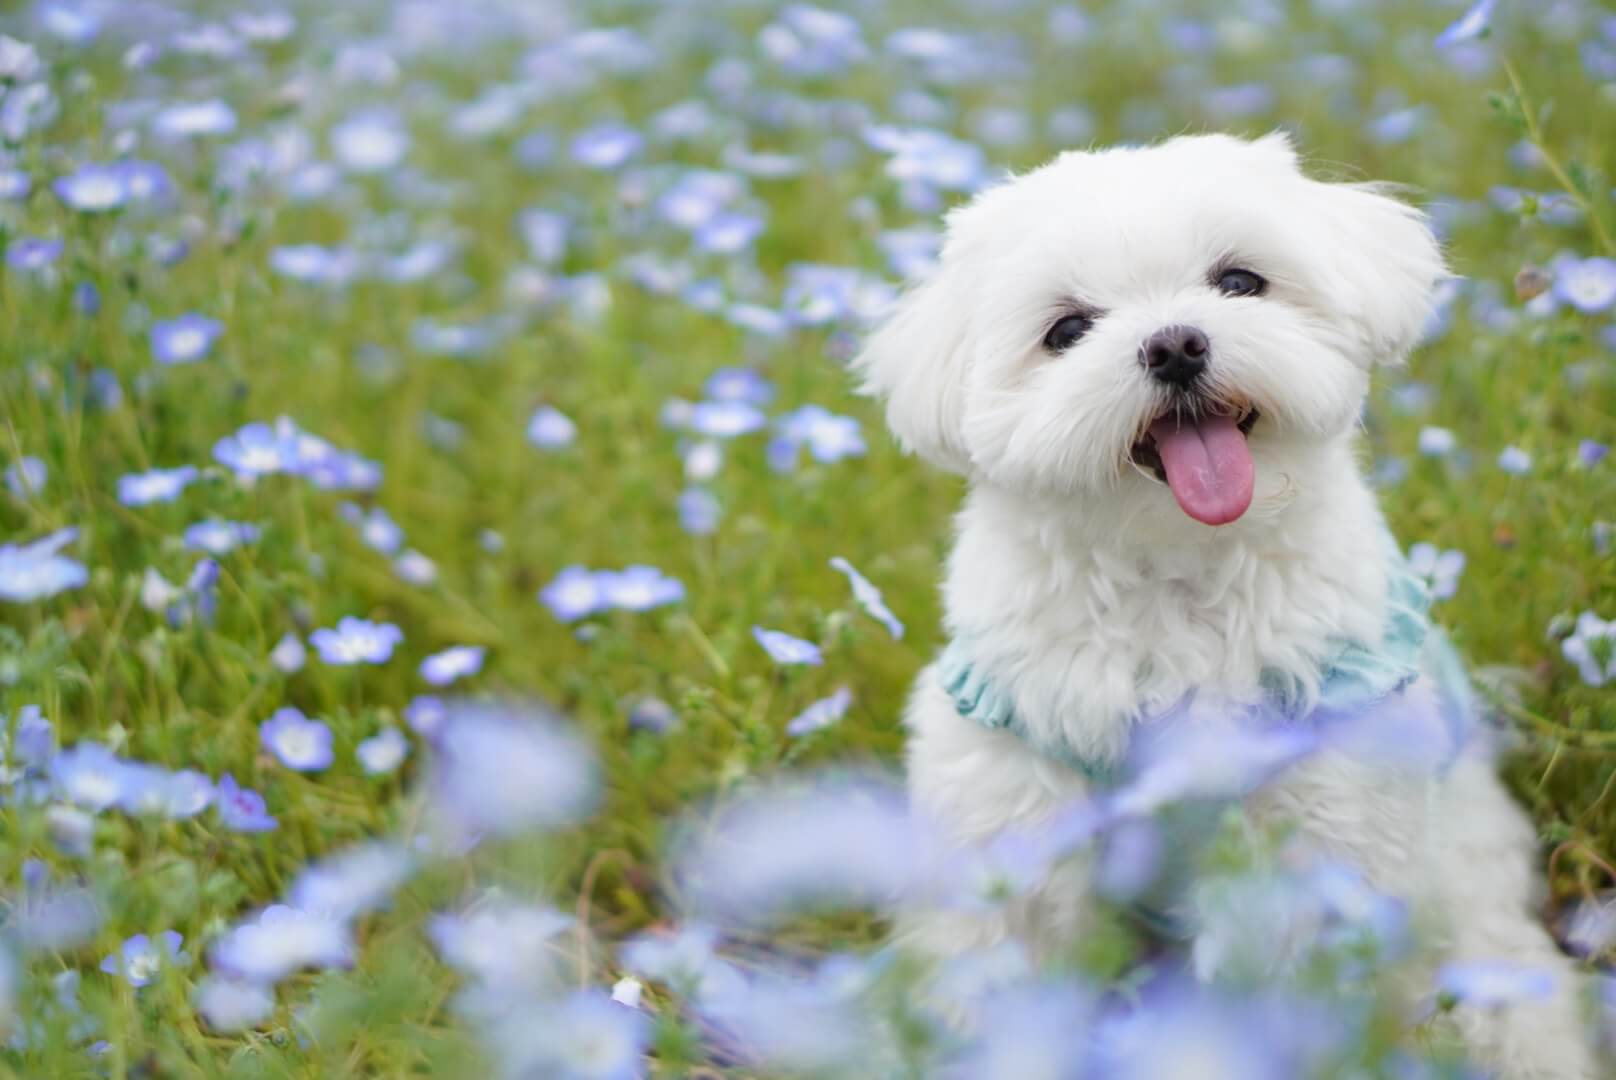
(1202, 457)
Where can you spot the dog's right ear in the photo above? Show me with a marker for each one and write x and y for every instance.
(916, 360)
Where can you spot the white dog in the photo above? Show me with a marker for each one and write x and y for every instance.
(1150, 363)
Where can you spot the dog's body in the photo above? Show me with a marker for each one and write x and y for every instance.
(1098, 603)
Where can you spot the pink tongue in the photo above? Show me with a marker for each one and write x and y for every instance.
(1208, 467)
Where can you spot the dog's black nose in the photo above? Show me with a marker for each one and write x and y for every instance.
(1175, 354)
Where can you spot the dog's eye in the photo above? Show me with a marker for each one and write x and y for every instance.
(1241, 283)
(1065, 333)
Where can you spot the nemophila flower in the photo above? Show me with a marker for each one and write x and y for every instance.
(699, 511)
(911, 253)
(281, 941)
(829, 437)
(1439, 569)
(299, 743)
(697, 196)
(456, 662)
(639, 588)
(546, 234)
(426, 714)
(1437, 441)
(184, 340)
(728, 233)
(1515, 461)
(257, 450)
(218, 537)
(26, 476)
(71, 830)
(868, 596)
(376, 527)
(52, 918)
(183, 794)
(264, 26)
(811, 41)
(93, 189)
(383, 752)
(628, 991)
(356, 641)
(241, 809)
(89, 775)
(725, 419)
(352, 882)
(1489, 984)
(929, 158)
(140, 958)
(229, 1005)
(822, 713)
(703, 460)
(288, 655)
(821, 844)
(192, 119)
(33, 254)
(1474, 23)
(1591, 647)
(370, 141)
(155, 485)
(15, 185)
(38, 570)
(785, 649)
(550, 429)
(1201, 757)
(314, 264)
(606, 146)
(509, 769)
(1589, 285)
(583, 1036)
(756, 319)
(415, 568)
(1591, 453)
(18, 60)
(1399, 125)
(738, 384)
(576, 592)
(500, 942)
(1591, 928)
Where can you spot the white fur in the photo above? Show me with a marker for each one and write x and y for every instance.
(1098, 601)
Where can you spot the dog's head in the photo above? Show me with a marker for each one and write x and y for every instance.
(1198, 313)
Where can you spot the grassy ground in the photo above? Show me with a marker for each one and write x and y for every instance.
(349, 364)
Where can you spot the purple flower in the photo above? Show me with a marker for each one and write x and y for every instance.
(90, 775)
(141, 958)
(456, 662)
(376, 527)
(281, 941)
(299, 743)
(26, 477)
(1591, 452)
(33, 254)
(184, 340)
(576, 593)
(155, 485)
(550, 429)
(426, 714)
(220, 537)
(356, 641)
(822, 713)
(1200, 757)
(241, 809)
(1474, 23)
(35, 571)
(383, 752)
(639, 588)
(503, 769)
(1589, 285)
(868, 597)
(829, 437)
(785, 649)
(1489, 984)
(93, 189)
(606, 146)
(699, 511)
(353, 882)
(230, 1005)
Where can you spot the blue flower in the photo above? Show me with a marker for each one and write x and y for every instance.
(229, 1005)
(1439, 569)
(457, 662)
(426, 714)
(1591, 646)
(218, 537)
(1474, 23)
(155, 485)
(314, 264)
(33, 254)
(288, 655)
(499, 942)
(576, 592)
(353, 882)
(725, 419)
(810, 41)
(738, 384)
(184, 340)
(299, 743)
(728, 233)
(370, 141)
(26, 476)
(546, 233)
(1489, 984)
(376, 527)
(583, 1036)
(93, 189)
(868, 597)
(140, 958)
(90, 775)
(606, 146)
(383, 752)
(550, 429)
(829, 437)
(1591, 452)
(510, 769)
(1515, 461)
(699, 511)
(639, 588)
(1437, 441)
(191, 119)
(356, 641)
(822, 713)
(1589, 285)
(35, 571)
(281, 941)
(785, 649)
(241, 809)
(258, 449)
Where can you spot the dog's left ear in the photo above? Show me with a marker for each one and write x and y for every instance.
(1384, 267)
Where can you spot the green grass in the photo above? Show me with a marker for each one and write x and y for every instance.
(342, 364)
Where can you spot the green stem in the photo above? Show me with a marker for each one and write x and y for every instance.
(1534, 133)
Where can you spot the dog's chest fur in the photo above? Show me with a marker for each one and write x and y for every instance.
(1089, 636)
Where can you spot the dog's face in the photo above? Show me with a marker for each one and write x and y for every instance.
(1197, 314)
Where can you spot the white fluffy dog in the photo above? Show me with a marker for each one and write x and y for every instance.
(1150, 363)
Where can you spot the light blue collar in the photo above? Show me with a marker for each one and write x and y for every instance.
(1356, 675)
